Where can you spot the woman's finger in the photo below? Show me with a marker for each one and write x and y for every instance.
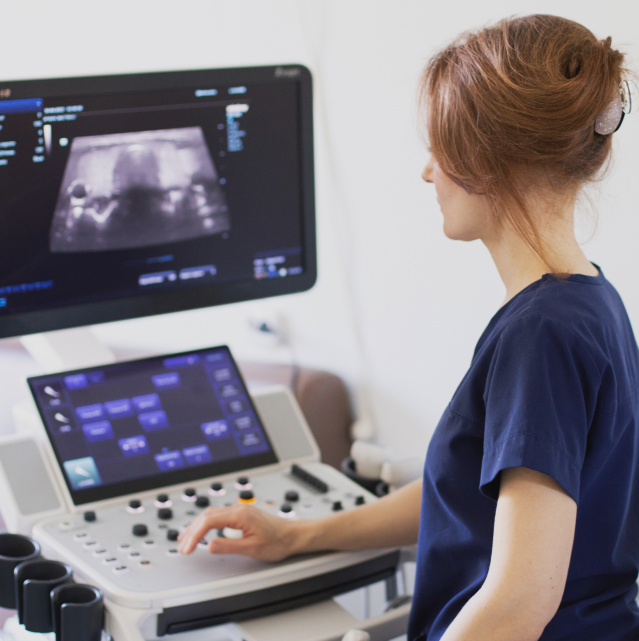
(221, 545)
(203, 524)
(212, 518)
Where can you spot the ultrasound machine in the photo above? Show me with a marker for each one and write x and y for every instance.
(135, 195)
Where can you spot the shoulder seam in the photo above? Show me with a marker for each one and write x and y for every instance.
(534, 300)
(465, 418)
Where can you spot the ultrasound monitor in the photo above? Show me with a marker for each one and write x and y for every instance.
(135, 195)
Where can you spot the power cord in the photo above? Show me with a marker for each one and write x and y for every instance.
(283, 339)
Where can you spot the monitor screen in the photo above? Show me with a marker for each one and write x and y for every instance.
(126, 196)
(145, 424)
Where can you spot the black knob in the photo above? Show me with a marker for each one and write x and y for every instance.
(172, 535)
(247, 495)
(140, 530)
(165, 513)
(217, 487)
(243, 480)
(360, 500)
(292, 496)
(202, 501)
(286, 508)
(162, 498)
(89, 516)
(189, 492)
(337, 506)
(135, 504)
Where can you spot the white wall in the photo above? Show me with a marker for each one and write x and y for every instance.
(423, 300)
(398, 307)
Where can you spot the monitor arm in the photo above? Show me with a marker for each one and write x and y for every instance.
(67, 349)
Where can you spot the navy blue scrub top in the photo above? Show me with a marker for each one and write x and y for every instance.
(553, 387)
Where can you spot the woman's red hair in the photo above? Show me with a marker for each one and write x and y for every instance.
(511, 109)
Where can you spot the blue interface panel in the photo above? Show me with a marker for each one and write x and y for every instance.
(139, 425)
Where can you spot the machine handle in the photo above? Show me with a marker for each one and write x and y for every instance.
(301, 624)
(386, 626)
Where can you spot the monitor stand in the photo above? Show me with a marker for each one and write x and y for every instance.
(67, 349)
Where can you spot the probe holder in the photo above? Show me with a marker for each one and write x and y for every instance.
(78, 612)
(14, 550)
(34, 581)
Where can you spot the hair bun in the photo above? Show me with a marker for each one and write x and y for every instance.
(514, 105)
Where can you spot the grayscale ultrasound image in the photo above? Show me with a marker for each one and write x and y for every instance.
(122, 191)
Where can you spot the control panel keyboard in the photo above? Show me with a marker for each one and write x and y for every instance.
(133, 544)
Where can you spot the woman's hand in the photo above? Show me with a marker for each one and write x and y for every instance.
(266, 537)
(387, 522)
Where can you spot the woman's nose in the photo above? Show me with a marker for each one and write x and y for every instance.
(427, 174)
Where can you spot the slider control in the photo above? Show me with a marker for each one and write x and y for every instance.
(309, 479)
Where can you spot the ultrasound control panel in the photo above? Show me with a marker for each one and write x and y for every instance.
(134, 544)
(122, 521)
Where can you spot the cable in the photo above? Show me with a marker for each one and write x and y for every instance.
(363, 396)
(284, 339)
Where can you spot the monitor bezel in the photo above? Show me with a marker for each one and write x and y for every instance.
(165, 302)
(162, 479)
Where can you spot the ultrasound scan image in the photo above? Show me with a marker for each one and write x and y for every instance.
(122, 191)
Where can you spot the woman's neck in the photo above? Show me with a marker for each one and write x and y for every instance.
(519, 266)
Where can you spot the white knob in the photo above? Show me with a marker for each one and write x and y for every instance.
(356, 635)
(230, 533)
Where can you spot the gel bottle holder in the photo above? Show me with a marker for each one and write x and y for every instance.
(34, 581)
(78, 612)
(14, 550)
(45, 596)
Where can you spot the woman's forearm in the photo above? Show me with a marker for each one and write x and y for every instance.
(391, 521)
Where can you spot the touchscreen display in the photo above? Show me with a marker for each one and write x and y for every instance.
(139, 425)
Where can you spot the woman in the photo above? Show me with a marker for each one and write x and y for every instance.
(529, 522)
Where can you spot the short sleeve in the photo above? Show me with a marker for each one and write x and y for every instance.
(540, 396)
